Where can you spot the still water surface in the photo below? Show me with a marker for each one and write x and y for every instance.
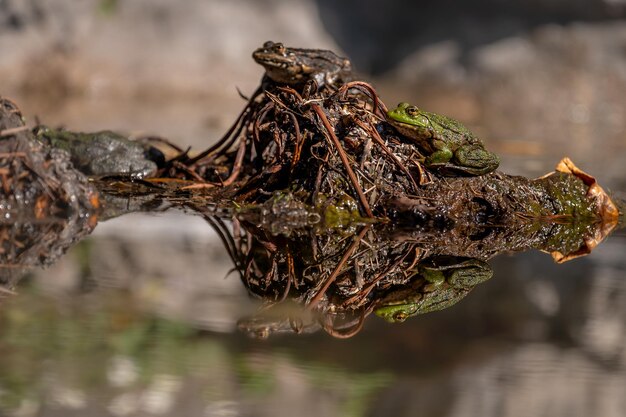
(151, 329)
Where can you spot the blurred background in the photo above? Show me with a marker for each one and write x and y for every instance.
(140, 318)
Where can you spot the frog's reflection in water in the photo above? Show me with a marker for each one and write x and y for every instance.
(310, 281)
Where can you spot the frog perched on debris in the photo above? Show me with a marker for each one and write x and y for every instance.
(452, 149)
(294, 66)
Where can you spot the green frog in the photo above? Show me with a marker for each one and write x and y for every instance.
(451, 147)
(294, 66)
(445, 280)
(102, 153)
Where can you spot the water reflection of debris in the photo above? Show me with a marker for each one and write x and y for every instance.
(338, 279)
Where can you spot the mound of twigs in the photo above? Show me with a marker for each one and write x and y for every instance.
(330, 142)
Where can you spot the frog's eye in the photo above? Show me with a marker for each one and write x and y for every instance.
(412, 111)
(400, 316)
(263, 333)
(268, 44)
(279, 48)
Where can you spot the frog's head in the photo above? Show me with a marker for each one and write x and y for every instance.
(411, 121)
(409, 114)
(397, 313)
(281, 63)
(400, 305)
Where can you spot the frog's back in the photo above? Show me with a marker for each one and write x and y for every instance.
(441, 298)
(454, 131)
(299, 65)
(324, 66)
(324, 60)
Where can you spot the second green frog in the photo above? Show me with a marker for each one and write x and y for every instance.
(451, 149)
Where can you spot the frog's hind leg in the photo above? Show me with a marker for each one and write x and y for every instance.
(440, 156)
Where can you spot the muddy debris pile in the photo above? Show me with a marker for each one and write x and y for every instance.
(310, 135)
